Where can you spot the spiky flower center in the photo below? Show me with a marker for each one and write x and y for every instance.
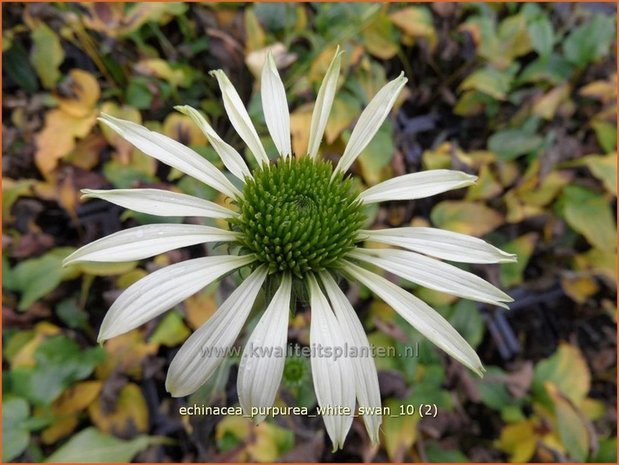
(295, 218)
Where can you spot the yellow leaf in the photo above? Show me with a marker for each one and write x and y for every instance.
(79, 94)
(593, 408)
(25, 356)
(60, 428)
(300, 121)
(77, 397)
(399, 432)
(486, 186)
(182, 129)
(199, 308)
(123, 147)
(128, 416)
(57, 139)
(255, 36)
(603, 167)
(519, 441)
(573, 428)
(471, 218)
(270, 442)
(566, 369)
(344, 111)
(604, 91)
(540, 192)
(579, 287)
(125, 354)
(378, 38)
(546, 106)
(162, 69)
(416, 21)
(518, 210)
(599, 262)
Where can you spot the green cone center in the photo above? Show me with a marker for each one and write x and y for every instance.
(296, 219)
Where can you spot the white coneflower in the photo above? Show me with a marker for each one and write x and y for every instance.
(295, 221)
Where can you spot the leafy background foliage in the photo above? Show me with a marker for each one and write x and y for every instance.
(522, 95)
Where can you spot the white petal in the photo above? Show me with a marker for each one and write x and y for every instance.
(262, 363)
(333, 377)
(146, 241)
(163, 289)
(420, 315)
(366, 377)
(275, 106)
(160, 203)
(206, 348)
(417, 185)
(228, 154)
(324, 101)
(441, 244)
(239, 117)
(434, 274)
(172, 153)
(370, 121)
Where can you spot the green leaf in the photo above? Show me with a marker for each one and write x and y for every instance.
(523, 246)
(467, 320)
(591, 215)
(554, 69)
(377, 155)
(46, 54)
(492, 391)
(607, 451)
(15, 413)
(606, 134)
(509, 144)
(590, 41)
(171, 331)
(90, 445)
(490, 81)
(17, 66)
(60, 362)
(436, 453)
(138, 94)
(36, 277)
(542, 36)
(276, 16)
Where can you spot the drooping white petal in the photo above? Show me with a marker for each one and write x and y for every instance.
(147, 241)
(172, 153)
(324, 101)
(228, 154)
(439, 243)
(333, 376)
(366, 377)
(206, 348)
(417, 186)
(163, 289)
(370, 121)
(160, 203)
(420, 315)
(433, 274)
(239, 117)
(262, 363)
(275, 106)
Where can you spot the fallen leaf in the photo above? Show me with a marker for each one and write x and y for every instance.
(466, 217)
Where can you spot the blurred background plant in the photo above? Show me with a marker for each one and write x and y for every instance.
(522, 95)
